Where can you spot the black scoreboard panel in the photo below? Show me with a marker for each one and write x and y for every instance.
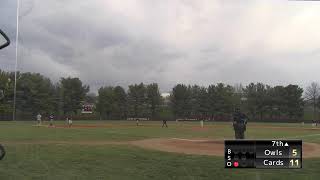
(263, 154)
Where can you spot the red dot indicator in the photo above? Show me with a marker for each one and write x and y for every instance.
(235, 164)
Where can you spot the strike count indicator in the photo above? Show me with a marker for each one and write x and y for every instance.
(263, 154)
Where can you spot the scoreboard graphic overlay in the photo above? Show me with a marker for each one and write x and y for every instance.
(263, 154)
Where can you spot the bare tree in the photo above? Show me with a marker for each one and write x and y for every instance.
(311, 95)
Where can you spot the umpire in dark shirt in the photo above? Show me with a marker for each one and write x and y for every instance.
(164, 123)
(239, 124)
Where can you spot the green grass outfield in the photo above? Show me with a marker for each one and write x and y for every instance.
(30, 157)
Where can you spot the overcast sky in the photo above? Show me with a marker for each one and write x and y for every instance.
(120, 42)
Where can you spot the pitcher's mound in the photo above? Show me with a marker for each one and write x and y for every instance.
(206, 146)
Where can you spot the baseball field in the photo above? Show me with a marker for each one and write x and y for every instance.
(122, 150)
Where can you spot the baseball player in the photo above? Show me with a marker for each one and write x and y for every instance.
(51, 120)
(69, 121)
(164, 123)
(239, 124)
(39, 119)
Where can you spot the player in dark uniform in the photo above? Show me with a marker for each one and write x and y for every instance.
(164, 123)
(51, 120)
(239, 124)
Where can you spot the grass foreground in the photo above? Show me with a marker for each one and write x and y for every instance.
(33, 160)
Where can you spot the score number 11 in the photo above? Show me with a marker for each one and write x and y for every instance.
(294, 163)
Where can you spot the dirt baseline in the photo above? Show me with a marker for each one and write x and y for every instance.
(206, 146)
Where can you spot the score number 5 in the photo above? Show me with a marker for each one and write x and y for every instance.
(294, 162)
(294, 152)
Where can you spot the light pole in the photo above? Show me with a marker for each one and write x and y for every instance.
(16, 64)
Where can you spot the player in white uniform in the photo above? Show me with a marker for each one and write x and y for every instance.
(39, 119)
(201, 123)
(69, 121)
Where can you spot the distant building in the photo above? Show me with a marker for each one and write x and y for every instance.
(166, 98)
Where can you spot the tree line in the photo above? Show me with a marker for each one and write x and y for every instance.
(38, 94)
(258, 100)
(139, 101)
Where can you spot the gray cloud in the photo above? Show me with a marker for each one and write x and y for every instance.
(8, 25)
(109, 42)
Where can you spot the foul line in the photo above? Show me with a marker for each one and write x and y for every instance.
(292, 137)
(309, 135)
(191, 140)
(40, 125)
